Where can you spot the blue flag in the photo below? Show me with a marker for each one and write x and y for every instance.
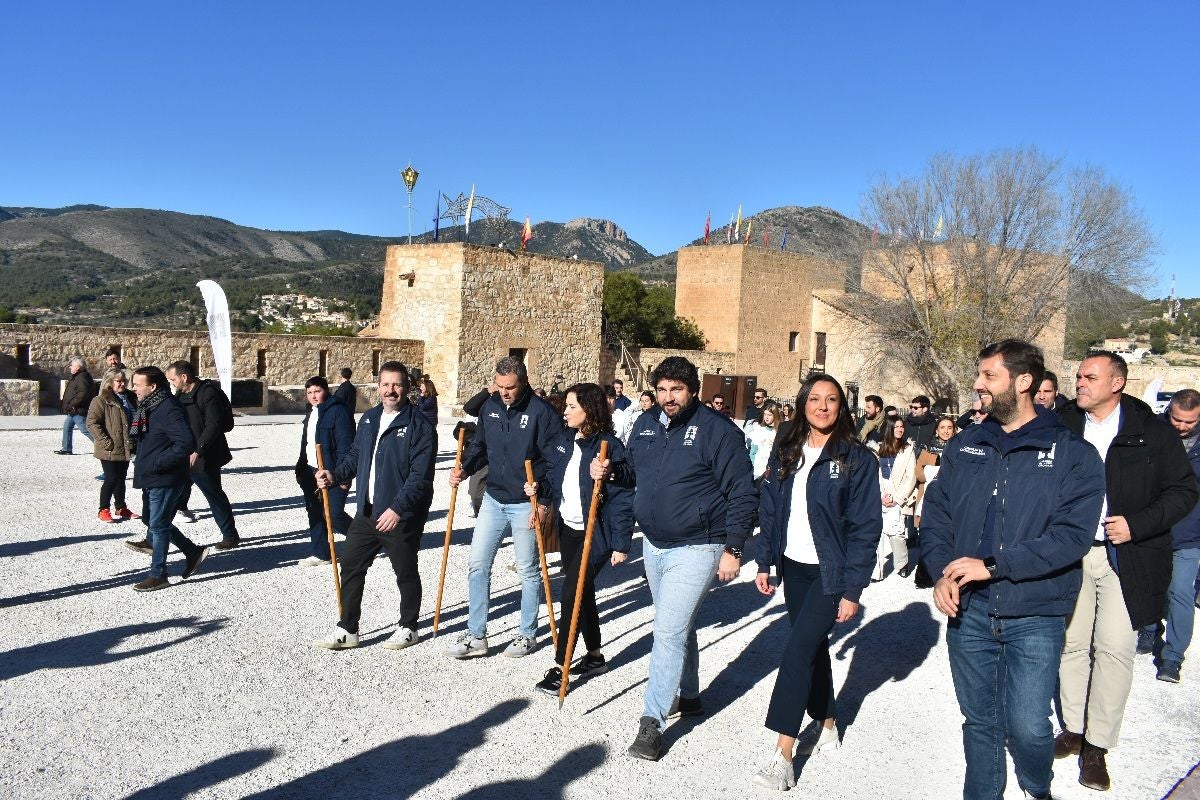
(437, 215)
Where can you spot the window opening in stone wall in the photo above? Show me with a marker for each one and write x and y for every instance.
(374, 363)
(23, 361)
(518, 353)
(194, 358)
(819, 357)
(794, 341)
(261, 369)
(323, 364)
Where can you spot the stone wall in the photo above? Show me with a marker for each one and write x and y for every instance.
(18, 398)
(1140, 378)
(706, 361)
(472, 305)
(42, 353)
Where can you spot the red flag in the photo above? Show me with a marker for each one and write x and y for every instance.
(707, 226)
(526, 234)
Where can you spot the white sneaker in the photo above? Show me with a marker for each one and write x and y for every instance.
(467, 646)
(828, 740)
(313, 561)
(777, 774)
(402, 638)
(521, 647)
(337, 639)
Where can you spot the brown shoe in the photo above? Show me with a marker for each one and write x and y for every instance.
(151, 584)
(227, 544)
(141, 546)
(1093, 772)
(1067, 744)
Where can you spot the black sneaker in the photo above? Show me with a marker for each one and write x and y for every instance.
(151, 584)
(141, 545)
(552, 683)
(1169, 672)
(589, 665)
(648, 743)
(63, 453)
(686, 707)
(227, 544)
(194, 562)
(1145, 642)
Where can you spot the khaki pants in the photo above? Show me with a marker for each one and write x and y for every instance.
(1097, 661)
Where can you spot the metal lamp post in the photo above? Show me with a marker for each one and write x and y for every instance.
(410, 176)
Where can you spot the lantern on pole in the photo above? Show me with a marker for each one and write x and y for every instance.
(410, 176)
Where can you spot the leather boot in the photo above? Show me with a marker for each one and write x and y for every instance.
(1067, 744)
(1093, 772)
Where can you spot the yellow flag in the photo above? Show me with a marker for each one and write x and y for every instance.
(470, 206)
(737, 231)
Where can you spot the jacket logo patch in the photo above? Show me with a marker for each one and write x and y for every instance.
(1046, 457)
(524, 421)
(835, 470)
(493, 415)
(974, 451)
(689, 436)
(401, 431)
(561, 449)
(646, 432)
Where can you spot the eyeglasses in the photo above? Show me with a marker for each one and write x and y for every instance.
(915, 408)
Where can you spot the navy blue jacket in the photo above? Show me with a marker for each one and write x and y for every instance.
(162, 453)
(335, 432)
(506, 437)
(695, 484)
(844, 515)
(1186, 532)
(404, 477)
(614, 520)
(1048, 489)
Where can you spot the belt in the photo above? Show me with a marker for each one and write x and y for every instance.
(1100, 543)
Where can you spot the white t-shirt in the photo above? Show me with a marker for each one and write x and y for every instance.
(384, 421)
(310, 443)
(800, 547)
(570, 508)
(1100, 436)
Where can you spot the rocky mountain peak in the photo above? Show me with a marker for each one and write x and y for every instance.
(604, 227)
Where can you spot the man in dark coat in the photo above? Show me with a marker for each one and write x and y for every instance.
(75, 401)
(920, 424)
(1149, 487)
(207, 410)
(346, 391)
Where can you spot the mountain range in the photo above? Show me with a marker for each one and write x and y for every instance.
(90, 264)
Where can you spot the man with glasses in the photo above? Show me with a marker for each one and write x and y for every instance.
(718, 404)
(754, 412)
(919, 424)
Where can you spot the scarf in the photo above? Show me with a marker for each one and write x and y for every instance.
(869, 425)
(137, 427)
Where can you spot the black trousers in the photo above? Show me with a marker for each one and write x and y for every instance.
(113, 487)
(805, 679)
(362, 544)
(571, 544)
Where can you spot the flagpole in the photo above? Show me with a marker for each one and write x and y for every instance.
(410, 180)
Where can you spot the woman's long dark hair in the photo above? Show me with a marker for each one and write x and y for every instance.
(791, 449)
(598, 419)
(891, 446)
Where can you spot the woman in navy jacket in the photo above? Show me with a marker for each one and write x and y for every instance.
(821, 519)
(328, 423)
(570, 485)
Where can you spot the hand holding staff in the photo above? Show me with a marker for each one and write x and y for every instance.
(537, 534)
(337, 580)
(437, 609)
(597, 486)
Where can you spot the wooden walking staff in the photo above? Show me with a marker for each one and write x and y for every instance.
(337, 580)
(537, 534)
(583, 568)
(437, 609)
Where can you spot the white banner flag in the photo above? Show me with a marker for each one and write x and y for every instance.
(218, 333)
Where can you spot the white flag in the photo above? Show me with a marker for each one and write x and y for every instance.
(218, 333)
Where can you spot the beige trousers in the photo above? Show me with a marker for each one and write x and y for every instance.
(1096, 670)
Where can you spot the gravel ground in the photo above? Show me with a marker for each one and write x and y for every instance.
(212, 688)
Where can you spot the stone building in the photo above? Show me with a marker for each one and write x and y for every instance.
(472, 305)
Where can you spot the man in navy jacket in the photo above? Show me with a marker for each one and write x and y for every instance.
(1183, 413)
(1004, 526)
(695, 502)
(514, 425)
(392, 458)
(327, 423)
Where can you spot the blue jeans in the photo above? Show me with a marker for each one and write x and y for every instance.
(680, 578)
(72, 422)
(1181, 607)
(496, 519)
(162, 503)
(208, 481)
(1005, 671)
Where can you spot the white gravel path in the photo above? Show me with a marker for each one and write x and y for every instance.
(212, 688)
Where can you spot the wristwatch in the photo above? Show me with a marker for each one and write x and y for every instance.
(990, 563)
(736, 552)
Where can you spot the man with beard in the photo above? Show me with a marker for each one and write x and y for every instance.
(1004, 526)
(919, 425)
(392, 457)
(1150, 487)
(870, 427)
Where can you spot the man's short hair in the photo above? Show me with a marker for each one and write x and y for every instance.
(183, 368)
(1049, 376)
(511, 365)
(112, 351)
(346, 373)
(718, 396)
(153, 375)
(396, 366)
(1119, 367)
(874, 398)
(316, 380)
(1020, 358)
(618, 380)
(677, 368)
(1185, 399)
(920, 400)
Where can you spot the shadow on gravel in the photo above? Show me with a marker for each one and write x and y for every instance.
(255, 470)
(31, 546)
(95, 648)
(551, 784)
(125, 579)
(402, 767)
(206, 775)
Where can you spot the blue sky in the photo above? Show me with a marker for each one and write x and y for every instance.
(300, 115)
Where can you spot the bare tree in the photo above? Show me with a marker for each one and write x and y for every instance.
(988, 246)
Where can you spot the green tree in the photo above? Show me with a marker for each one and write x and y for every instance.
(645, 316)
(1158, 336)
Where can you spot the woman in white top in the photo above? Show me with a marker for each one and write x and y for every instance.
(897, 487)
(760, 437)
